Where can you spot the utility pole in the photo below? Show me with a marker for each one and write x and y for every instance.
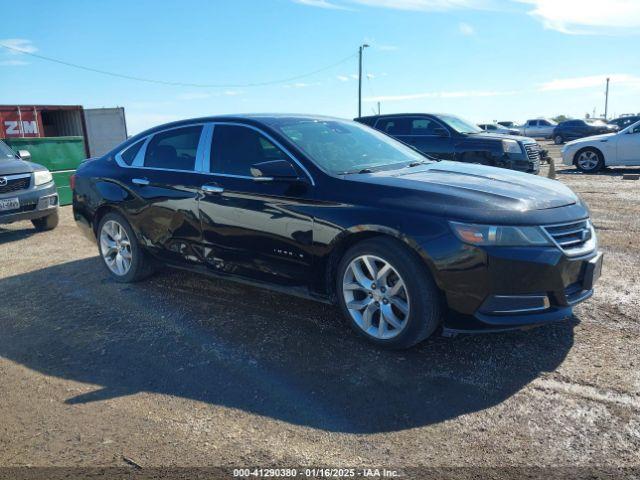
(606, 100)
(378, 108)
(362, 47)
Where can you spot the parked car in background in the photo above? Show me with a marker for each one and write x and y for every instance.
(497, 128)
(27, 191)
(508, 124)
(625, 121)
(538, 128)
(338, 212)
(447, 137)
(573, 129)
(592, 154)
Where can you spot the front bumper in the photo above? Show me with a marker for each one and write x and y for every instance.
(37, 202)
(502, 288)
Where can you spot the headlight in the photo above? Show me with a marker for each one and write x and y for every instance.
(506, 236)
(511, 146)
(42, 176)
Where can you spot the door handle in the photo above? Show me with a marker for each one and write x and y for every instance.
(140, 181)
(212, 189)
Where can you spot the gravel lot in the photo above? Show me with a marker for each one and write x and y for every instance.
(183, 370)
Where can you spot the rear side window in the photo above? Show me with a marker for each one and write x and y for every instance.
(174, 149)
(235, 149)
(130, 153)
(394, 126)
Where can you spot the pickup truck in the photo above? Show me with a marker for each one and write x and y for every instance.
(538, 128)
(448, 137)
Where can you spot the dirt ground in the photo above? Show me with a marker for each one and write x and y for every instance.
(182, 370)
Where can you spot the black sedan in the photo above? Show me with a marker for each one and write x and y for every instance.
(574, 129)
(338, 212)
(27, 191)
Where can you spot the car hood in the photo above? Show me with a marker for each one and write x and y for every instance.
(592, 138)
(10, 167)
(478, 192)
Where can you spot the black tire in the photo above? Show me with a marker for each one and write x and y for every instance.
(46, 223)
(426, 305)
(142, 265)
(558, 139)
(599, 165)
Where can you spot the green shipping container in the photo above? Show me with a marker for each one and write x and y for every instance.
(61, 155)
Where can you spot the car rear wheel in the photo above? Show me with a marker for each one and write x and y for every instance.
(589, 160)
(558, 139)
(119, 250)
(387, 294)
(46, 223)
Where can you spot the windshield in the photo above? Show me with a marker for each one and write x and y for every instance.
(341, 147)
(5, 152)
(459, 125)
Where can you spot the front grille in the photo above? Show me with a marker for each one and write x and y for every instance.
(572, 238)
(533, 151)
(14, 184)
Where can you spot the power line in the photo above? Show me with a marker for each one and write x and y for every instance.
(179, 84)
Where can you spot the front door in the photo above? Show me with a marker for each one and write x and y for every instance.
(629, 147)
(255, 229)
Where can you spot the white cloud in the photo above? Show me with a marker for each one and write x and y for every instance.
(386, 48)
(14, 44)
(322, 4)
(423, 5)
(343, 78)
(416, 5)
(466, 29)
(591, 81)
(302, 85)
(587, 16)
(232, 93)
(452, 94)
(12, 63)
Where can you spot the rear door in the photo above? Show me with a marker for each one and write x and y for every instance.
(163, 172)
(255, 229)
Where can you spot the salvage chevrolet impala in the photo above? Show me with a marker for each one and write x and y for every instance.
(336, 211)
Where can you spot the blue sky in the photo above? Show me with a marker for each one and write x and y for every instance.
(482, 59)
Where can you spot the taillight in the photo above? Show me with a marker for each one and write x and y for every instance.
(72, 181)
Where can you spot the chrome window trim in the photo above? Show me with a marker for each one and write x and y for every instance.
(375, 125)
(268, 137)
(138, 161)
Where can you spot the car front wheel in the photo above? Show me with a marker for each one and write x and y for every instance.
(119, 250)
(46, 223)
(558, 140)
(589, 160)
(387, 294)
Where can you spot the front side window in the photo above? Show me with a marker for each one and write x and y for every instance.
(459, 124)
(424, 126)
(174, 149)
(341, 147)
(235, 149)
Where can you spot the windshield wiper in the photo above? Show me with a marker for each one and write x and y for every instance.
(352, 172)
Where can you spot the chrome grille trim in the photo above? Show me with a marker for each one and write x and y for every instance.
(574, 238)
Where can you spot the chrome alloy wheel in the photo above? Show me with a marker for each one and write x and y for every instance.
(588, 160)
(115, 247)
(376, 296)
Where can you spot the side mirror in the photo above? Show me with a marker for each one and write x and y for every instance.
(440, 132)
(273, 170)
(24, 155)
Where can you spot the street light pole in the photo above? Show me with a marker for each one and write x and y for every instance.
(606, 100)
(362, 47)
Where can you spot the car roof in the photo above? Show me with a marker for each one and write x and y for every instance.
(403, 115)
